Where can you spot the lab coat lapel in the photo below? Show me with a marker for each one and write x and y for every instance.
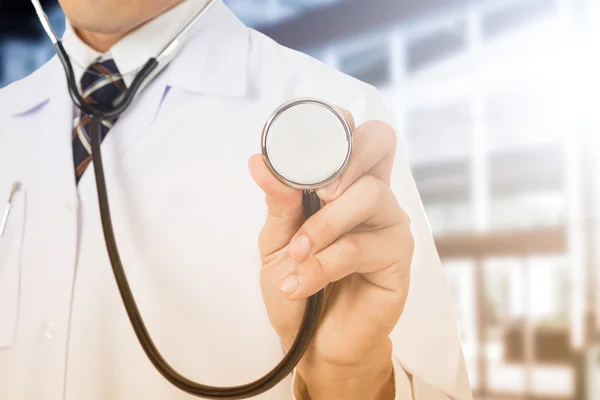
(51, 200)
(54, 168)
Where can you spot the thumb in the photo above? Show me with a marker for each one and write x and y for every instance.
(285, 213)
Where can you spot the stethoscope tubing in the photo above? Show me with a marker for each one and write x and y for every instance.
(125, 100)
(282, 370)
(314, 303)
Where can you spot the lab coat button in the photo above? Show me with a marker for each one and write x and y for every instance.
(50, 330)
(70, 207)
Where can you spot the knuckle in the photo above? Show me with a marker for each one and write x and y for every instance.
(409, 242)
(370, 184)
(406, 242)
(402, 216)
(374, 192)
(387, 194)
(319, 268)
(390, 200)
(384, 132)
(262, 238)
(402, 288)
(380, 190)
(411, 245)
(405, 217)
(391, 137)
(321, 227)
(350, 246)
(400, 274)
(360, 161)
(281, 212)
(372, 126)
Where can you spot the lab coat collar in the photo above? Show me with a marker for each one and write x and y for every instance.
(214, 61)
(34, 91)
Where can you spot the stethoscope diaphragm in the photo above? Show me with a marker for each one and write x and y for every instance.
(307, 143)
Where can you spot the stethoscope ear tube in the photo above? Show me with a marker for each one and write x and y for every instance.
(307, 329)
(116, 109)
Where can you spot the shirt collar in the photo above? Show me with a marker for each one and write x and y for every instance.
(214, 59)
(134, 50)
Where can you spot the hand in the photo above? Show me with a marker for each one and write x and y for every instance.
(359, 248)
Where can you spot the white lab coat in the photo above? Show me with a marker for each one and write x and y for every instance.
(186, 215)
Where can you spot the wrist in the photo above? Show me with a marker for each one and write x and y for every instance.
(371, 379)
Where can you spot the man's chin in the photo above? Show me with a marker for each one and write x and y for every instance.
(98, 26)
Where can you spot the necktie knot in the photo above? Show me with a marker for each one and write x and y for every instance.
(102, 84)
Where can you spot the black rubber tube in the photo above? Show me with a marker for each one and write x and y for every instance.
(282, 370)
(123, 103)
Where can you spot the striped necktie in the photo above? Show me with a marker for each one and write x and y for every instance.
(101, 84)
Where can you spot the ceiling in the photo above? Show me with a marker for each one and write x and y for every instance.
(349, 18)
(329, 17)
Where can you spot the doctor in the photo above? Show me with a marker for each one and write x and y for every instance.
(187, 215)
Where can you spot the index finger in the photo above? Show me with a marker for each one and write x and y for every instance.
(368, 202)
(374, 146)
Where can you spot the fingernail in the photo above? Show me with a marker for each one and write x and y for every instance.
(329, 190)
(300, 248)
(289, 284)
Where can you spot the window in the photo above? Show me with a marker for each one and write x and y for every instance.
(435, 46)
(505, 19)
(371, 64)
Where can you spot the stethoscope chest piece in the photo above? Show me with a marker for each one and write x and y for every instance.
(307, 143)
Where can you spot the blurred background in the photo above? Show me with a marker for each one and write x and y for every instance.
(498, 104)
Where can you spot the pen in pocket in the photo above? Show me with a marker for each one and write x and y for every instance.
(15, 188)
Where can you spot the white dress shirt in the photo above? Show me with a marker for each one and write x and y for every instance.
(186, 216)
(137, 47)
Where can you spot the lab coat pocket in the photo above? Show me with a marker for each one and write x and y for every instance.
(11, 244)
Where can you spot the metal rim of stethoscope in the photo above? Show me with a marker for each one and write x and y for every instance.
(313, 306)
(267, 130)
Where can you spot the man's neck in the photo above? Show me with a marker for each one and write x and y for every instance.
(103, 42)
(100, 42)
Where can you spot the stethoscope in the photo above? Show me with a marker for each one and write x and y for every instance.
(306, 143)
